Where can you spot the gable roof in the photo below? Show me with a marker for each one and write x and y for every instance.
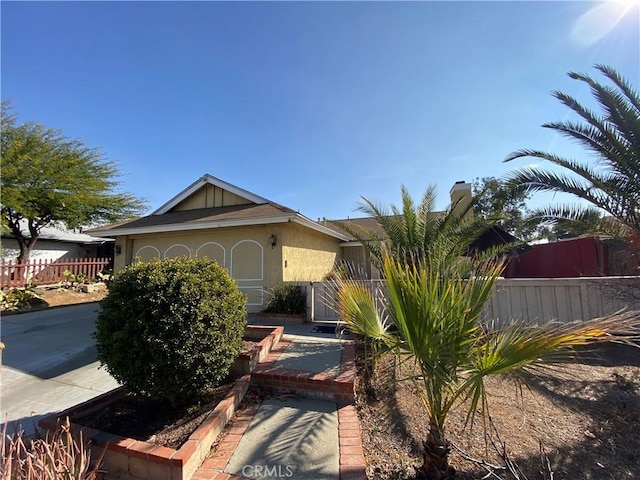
(201, 182)
(259, 212)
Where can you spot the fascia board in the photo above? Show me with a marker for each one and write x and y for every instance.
(351, 244)
(319, 228)
(180, 227)
(198, 184)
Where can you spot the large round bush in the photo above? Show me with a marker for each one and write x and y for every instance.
(171, 328)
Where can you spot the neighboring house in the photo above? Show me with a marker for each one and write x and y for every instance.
(57, 243)
(260, 242)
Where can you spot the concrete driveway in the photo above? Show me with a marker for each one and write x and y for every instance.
(49, 363)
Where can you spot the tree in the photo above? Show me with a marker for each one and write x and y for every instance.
(612, 183)
(496, 200)
(430, 319)
(49, 179)
(409, 230)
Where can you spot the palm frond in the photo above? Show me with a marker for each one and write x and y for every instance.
(518, 347)
(613, 135)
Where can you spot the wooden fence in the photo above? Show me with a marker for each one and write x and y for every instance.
(47, 272)
(531, 300)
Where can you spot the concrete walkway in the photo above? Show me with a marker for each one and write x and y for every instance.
(49, 364)
(308, 429)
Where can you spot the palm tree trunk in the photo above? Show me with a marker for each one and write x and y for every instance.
(436, 455)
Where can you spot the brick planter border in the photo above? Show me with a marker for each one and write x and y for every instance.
(247, 361)
(133, 459)
(309, 384)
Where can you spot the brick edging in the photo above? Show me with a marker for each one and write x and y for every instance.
(338, 387)
(351, 451)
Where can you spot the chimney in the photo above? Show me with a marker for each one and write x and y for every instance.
(461, 192)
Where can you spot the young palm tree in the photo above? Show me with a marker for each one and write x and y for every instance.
(409, 230)
(611, 184)
(430, 320)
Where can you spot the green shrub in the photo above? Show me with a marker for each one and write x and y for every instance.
(171, 329)
(290, 299)
(20, 299)
(61, 455)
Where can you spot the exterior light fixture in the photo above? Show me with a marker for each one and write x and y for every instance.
(272, 240)
(118, 249)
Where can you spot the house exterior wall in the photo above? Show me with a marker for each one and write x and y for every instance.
(48, 250)
(210, 196)
(358, 259)
(244, 251)
(307, 255)
(300, 254)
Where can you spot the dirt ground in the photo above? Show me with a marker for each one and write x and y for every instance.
(56, 297)
(587, 419)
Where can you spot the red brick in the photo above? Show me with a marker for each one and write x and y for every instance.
(349, 432)
(215, 463)
(122, 445)
(238, 429)
(345, 441)
(352, 472)
(351, 459)
(160, 455)
(350, 424)
(186, 450)
(140, 449)
(352, 450)
(203, 475)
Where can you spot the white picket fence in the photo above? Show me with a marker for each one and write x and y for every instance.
(532, 300)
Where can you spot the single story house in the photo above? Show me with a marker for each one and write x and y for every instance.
(59, 243)
(260, 242)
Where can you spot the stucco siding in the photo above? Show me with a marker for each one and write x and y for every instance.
(307, 255)
(245, 252)
(300, 254)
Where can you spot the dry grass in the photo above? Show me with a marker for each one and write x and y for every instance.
(587, 418)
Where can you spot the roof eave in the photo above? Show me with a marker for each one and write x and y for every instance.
(320, 228)
(245, 222)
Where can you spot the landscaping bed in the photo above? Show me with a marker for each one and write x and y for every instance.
(127, 458)
(152, 421)
(587, 418)
(149, 439)
(56, 297)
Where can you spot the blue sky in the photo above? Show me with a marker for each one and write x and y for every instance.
(309, 104)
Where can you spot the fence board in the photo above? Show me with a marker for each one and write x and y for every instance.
(47, 272)
(532, 300)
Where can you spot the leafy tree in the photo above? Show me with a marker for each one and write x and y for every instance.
(408, 231)
(430, 320)
(48, 179)
(508, 206)
(610, 184)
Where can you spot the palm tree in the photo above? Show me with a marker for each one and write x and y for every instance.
(408, 231)
(430, 319)
(612, 184)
